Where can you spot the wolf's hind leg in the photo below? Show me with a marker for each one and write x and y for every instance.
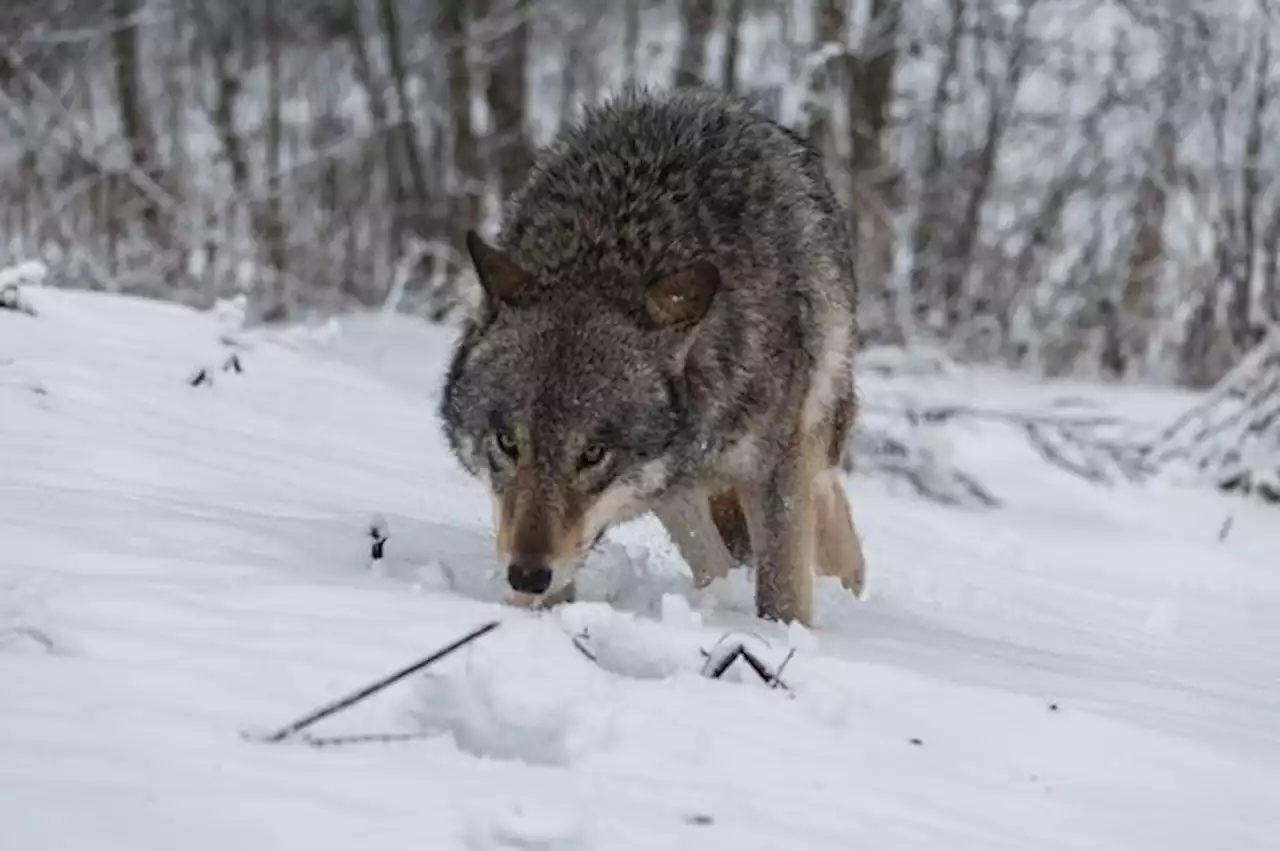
(839, 549)
(779, 510)
(726, 512)
(688, 519)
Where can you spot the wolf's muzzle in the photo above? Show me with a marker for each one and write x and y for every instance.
(532, 578)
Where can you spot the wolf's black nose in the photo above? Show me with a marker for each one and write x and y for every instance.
(532, 578)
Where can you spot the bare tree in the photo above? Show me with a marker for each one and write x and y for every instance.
(135, 123)
(275, 306)
(464, 163)
(928, 247)
(1002, 91)
(830, 77)
(872, 181)
(631, 37)
(1127, 335)
(733, 44)
(416, 198)
(697, 18)
(507, 93)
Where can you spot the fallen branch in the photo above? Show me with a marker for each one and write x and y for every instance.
(1099, 448)
(355, 697)
(725, 652)
(876, 450)
(900, 438)
(1232, 437)
(362, 739)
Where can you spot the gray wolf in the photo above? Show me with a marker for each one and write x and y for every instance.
(666, 323)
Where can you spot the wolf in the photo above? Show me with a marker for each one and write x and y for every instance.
(666, 322)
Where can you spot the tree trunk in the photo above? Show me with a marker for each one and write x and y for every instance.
(631, 38)
(697, 17)
(1240, 307)
(733, 45)
(462, 163)
(870, 93)
(1147, 255)
(1001, 97)
(419, 212)
(1271, 267)
(134, 121)
(271, 228)
(375, 94)
(871, 90)
(506, 91)
(928, 243)
(830, 24)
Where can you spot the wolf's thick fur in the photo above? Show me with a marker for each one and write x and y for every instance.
(668, 323)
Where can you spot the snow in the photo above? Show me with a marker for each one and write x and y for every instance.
(1080, 668)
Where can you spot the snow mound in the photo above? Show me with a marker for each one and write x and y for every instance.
(523, 694)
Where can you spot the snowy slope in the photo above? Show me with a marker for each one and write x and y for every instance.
(1080, 669)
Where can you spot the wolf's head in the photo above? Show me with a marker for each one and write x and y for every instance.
(567, 404)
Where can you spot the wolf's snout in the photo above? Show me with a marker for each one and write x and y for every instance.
(529, 578)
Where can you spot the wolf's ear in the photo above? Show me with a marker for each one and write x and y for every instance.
(684, 297)
(501, 278)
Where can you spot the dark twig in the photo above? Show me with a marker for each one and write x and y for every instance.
(363, 738)
(761, 669)
(204, 374)
(777, 675)
(580, 642)
(718, 663)
(355, 697)
(378, 536)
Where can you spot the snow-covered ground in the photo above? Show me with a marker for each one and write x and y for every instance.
(1079, 669)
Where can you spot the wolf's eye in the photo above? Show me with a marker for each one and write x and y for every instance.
(592, 455)
(507, 443)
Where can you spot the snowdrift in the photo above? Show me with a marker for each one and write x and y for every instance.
(1079, 667)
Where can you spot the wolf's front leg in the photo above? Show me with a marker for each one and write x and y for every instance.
(779, 510)
(688, 520)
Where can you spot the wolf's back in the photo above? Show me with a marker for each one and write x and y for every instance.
(650, 182)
